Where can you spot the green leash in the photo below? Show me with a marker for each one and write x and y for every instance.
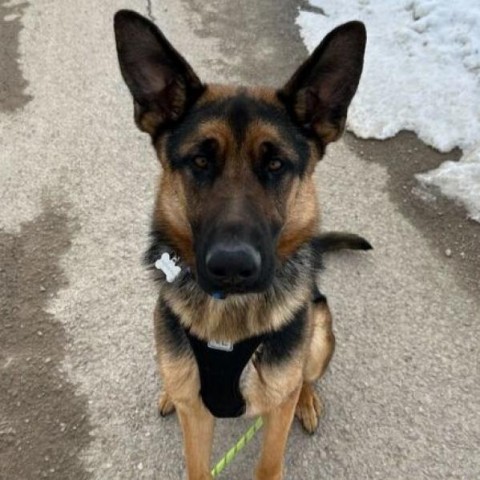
(233, 452)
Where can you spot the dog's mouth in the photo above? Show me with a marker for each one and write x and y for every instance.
(222, 292)
(221, 286)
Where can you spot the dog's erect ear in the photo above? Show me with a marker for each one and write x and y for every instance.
(320, 91)
(162, 83)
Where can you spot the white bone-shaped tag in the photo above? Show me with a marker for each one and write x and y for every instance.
(168, 267)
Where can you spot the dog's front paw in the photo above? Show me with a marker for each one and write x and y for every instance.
(309, 408)
(268, 474)
(165, 404)
(202, 476)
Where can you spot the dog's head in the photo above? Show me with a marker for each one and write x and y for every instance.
(237, 194)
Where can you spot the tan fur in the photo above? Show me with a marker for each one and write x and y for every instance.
(328, 132)
(180, 373)
(259, 132)
(197, 427)
(265, 387)
(180, 377)
(165, 404)
(302, 214)
(181, 382)
(309, 408)
(175, 100)
(277, 426)
(215, 92)
(147, 122)
(171, 207)
(322, 343)
(216, 129)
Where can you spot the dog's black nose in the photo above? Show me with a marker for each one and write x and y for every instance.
(236, 264)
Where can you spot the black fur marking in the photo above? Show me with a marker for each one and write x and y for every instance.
(318, 296)
(173, 335)
(300, 267)
(332, 241)
(239, 114)
(159, 244)
(281, 345)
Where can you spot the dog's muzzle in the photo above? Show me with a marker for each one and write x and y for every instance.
(234, 260)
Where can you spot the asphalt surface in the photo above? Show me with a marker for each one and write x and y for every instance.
(78, 384)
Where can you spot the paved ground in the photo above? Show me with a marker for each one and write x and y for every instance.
(77, 372)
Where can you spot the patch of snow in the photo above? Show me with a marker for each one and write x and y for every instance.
(421, 73)
(459, 181)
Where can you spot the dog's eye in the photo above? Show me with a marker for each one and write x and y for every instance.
(275, 165)
(200, 162)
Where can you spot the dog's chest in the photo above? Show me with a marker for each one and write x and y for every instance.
(225, 371)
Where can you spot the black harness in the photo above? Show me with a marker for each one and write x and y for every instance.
(220, 372)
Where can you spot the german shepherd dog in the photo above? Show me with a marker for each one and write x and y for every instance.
(240, 325)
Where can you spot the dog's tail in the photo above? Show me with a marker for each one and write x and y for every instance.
(333, 241)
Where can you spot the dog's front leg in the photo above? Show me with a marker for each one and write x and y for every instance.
(277, 426)
(197, 425)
